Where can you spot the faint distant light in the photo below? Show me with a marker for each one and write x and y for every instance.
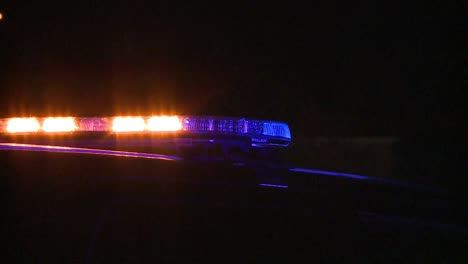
(1, 16)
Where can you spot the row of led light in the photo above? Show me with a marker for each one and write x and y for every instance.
(69, 124)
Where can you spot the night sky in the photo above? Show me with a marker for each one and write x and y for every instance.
(326, 68)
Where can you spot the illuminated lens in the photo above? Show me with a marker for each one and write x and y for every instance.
(59, 124)
(164, 123)
(18, 125)
(128, 124)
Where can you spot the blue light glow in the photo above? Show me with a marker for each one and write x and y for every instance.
(254, 128)
(273, 185)
(331, 173)
(276, 129)
(366, 178)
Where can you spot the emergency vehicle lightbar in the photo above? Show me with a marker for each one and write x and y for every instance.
(260, 132)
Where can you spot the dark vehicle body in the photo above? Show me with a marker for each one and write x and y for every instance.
(82, 208)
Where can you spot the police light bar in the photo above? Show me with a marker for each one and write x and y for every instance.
(261, 133)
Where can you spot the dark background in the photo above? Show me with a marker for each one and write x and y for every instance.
(327, 68)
